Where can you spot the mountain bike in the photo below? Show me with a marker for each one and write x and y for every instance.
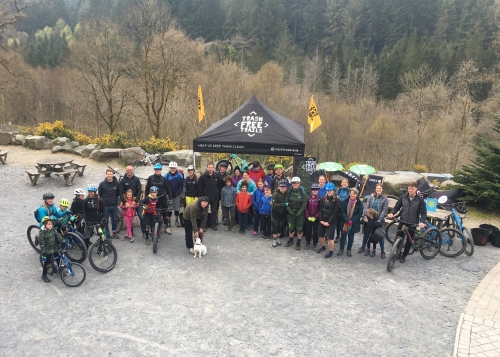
(102, 253)
(233, 161)
(454, 242)
(72, 274)
(155, 234)
(455, 220)
(150, 159)
(426, 241)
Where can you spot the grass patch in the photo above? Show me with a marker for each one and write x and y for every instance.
(483, 215)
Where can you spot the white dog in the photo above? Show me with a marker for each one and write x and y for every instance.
(199, 248)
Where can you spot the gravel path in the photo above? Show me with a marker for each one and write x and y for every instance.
(243, 298)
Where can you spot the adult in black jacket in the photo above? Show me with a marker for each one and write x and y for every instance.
(108, 192)
(208, 185)
(329, 208)
(221, 177)
(77, 209)
(413, 211)
(132, 182)
(93, 211)
(164, 193)
(191, 186)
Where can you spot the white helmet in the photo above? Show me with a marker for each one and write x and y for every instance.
(190, 167)
(172, 164)
(79, 191)
(295, 179)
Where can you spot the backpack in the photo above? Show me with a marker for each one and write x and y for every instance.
(37, 211)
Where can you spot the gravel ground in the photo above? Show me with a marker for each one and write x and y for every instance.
(243, 298)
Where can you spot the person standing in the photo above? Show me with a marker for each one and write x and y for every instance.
(296, 203)
(270, 175)
(49, 240)
(228, 203)
(163, 195)
(93, 212)
(312, 217)
(208, 185)
(278, 177)
(236, 176)
(265, 208)
(195, 217)
(176, 182)
(343, 194)
(133, 183)
(129, 209)
(351, 211)
(243, 204)
(256, 198)
(328, 216)
(379, 202)
(191, 186)
(413, 211)
(108, 192)
(278, 212)
(256, 173)
(322, 183)
(221, 175)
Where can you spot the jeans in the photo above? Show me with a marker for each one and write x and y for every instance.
(141, 219)
(111, 211)
(228, 213)
(256, 221)
(265, 224)
(188, 232)
(242, 218)
(350, 240)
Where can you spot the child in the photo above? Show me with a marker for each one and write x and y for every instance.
(256, 197)
(312, 216)
(149, 211)
(77, 209)
(228, 202)
(129, 211)
(93, 211)
(265, 213)
(278, 213)
(48, 239)
(243, 203)
(370, 226)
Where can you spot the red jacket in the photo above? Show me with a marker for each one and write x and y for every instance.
(243, 201)
(256, 176)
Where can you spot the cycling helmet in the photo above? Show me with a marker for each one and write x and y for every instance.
(278, 166)
(295, 179)
(283, 182)
(64, 202)
(329, 186)
(48, 195)
(172, 164)
(46, 219)
(157, 166)
(92, 187)
(462, 208)
(153, 189)
(79, 191)
(190, 167)
(314, 186)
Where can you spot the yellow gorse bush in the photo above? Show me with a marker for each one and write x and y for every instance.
(420, 168)
(55, 130)
(154, 145)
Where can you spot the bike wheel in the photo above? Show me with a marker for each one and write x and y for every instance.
(77, 251)
(155, 237)
(430, 243)
(391, 231)
(469, 250)
(32, 233)
(454, 243)
(102, 256)
(137, 163)
(395, 252)
(73, 275)
(119, 221)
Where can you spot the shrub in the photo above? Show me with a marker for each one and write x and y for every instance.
(286, 161)
(83, 139)
(117, 140)
(154, 145)
(54, 130)
(420, 168)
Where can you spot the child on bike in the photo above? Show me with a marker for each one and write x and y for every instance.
(149, 211)
(228, 203)
(370, 226)
(243, 204)
(48, 238)
(129, 209)
(93, 212)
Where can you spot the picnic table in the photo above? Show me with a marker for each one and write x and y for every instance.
(436, 218)
(62, 166)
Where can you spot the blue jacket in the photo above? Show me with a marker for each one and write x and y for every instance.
(343, 193)
(322, 192)
(268, 179)
(265, 205)
(54, 213)
(256, 196)
(176, 182)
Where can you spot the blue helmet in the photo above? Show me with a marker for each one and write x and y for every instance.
(330, 186)
(158, 166)
(153, 189)
(92, 187)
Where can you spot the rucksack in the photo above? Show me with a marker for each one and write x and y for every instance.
(37, 211)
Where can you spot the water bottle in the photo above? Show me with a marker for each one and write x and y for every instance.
(43, 259)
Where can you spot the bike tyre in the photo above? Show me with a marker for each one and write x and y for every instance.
(155, 237)
(394, 254)
(33, 238)
(79, 244)
(469, 250)
(78, 271)
(111, 249)
(436, 243)
(119, 220)
(391, 231)
(453, 237)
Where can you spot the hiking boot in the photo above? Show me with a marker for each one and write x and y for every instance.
(233, 230)
(315, 245)
(337, 240)
(131, 239)
(382, 255)
(279, 241)
(227, 229)
(147, 241)
(329, 254)
(349, 253)
(242, 231)
(361, 250)
(115, 235)
(45, 278)
(177, 224)
(214, 227)
(321, 249)
(223, 221)
(167, 230)
(191, 251)
(297, 246)
(307, 246)
(289, 243)
(402, 259)
(340, 252)
(374, 253)
(275, 243)
(366, 253)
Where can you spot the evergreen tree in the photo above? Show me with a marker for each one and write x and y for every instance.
(481, 179)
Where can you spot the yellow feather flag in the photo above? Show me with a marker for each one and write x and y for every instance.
(313, 118)
(201, 106)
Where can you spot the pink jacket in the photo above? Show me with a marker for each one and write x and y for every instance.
(129, 211)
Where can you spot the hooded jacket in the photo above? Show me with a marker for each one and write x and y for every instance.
(279, 201)
(108, 192)
(256, 196)
(130, 183)
(176, 182)
(194, 212)
(48, 240)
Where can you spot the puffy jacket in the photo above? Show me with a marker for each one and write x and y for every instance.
(297, 201)
(228, 196)
(108, 192)
(251, 186)
(312, 208)
(130, 210)
(208, 185)
(162, 184)
(130, 183)
(265, 206)
(383, 204)
(235, 180)
(256, 176)
(176, 182)
(191, 186)
(54, 213)
(93, 209)
(356, 214)
(256, 196)
(329, 208)
(343, 193)
(194, 212)
(48, 240)
(279, 201)
(243, 202)
(411, 209)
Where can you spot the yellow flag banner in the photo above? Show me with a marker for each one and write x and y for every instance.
(201, 106)
(313, 118)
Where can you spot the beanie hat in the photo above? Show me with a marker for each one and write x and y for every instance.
(237, 168)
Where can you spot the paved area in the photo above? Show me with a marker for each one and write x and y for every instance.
(478, 331)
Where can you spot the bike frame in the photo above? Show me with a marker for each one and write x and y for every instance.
(63, 260)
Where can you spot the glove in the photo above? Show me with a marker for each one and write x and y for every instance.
(349, 223)
(170, 202)
(72, 219)
(378, 224)
(310, 219)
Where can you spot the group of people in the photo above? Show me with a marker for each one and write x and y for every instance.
(270, 204)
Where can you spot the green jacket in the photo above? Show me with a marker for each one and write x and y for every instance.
(279, 201)
(297, 201)
(193, 212)
(47, 241)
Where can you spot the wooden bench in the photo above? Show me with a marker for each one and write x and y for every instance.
(33, 175)
(78, 167)
(3, 156)
(68, 176)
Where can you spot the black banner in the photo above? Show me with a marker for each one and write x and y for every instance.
(305, 167)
